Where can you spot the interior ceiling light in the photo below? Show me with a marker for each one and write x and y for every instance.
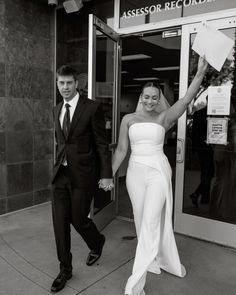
(146, 79)
(166, 68)
(134, 56)
(171, 33)
(72, 5)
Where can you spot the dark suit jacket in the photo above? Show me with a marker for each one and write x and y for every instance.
(86, 148)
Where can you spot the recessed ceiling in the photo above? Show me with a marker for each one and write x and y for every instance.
(162, 64)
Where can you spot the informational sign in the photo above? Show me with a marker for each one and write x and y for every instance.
(217, 130)
(219, 100)
(163, 6)
(139, 12)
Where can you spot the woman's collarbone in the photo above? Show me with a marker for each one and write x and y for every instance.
(139, 118)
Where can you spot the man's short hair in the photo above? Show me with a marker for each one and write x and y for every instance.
(67, 71)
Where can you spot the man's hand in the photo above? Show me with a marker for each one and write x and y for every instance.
(106, 184)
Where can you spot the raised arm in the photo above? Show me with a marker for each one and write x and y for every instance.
(122, 147)
(173, 113)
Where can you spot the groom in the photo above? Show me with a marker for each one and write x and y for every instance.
(82, 158)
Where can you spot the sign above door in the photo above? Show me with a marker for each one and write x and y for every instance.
(149, 11)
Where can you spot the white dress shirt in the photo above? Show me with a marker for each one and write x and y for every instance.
(73, 103)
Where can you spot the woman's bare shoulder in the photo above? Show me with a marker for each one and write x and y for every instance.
(128, 118)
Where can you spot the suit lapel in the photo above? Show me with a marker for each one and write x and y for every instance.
(78, 112)
(57, 116)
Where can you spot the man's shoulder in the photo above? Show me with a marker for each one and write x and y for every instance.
(89, 102)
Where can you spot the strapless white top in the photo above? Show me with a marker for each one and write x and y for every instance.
(146, 141)
(146, 138)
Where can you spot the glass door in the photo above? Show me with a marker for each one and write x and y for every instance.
(103, 86)
(206, 165)
(158, 55)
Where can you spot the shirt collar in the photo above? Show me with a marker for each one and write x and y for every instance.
(73, 102)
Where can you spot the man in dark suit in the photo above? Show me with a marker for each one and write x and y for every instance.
(82, 157)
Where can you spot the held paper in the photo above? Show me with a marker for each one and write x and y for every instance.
(214, 45)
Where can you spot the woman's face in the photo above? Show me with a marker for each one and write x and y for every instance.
(150, 98)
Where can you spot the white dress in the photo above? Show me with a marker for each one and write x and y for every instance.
(149, 185)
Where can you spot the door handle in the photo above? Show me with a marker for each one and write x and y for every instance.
(112, 146)
(180, 150)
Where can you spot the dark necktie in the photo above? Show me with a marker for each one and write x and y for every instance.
(66, 121)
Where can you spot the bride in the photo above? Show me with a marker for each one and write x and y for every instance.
(148, 180)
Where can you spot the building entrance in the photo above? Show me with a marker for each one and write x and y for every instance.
(165, 56)
(203, 164)
(148, 57)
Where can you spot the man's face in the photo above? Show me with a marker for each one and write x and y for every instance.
(67, 87)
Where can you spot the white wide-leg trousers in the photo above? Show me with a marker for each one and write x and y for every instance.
(147, 191)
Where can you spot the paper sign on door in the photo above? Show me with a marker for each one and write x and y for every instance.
(212, 44)
(217, 130)
(219, 100)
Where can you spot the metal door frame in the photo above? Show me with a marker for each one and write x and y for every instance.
(105, 215)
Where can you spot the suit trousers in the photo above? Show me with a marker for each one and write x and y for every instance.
(71, 205)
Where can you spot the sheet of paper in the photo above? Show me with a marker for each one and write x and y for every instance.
(219, 100)
(217, 130)
(214, 45)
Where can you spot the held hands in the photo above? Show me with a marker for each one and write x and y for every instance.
(202, 65)
(106, 184)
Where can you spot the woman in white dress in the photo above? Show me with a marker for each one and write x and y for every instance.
(148, 181)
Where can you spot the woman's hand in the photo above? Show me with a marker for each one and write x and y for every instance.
(202, 65)
(106, 184)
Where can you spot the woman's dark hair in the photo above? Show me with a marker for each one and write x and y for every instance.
(67, 71)
(151, 84)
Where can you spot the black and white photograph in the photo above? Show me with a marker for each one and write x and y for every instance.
(117, 147)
